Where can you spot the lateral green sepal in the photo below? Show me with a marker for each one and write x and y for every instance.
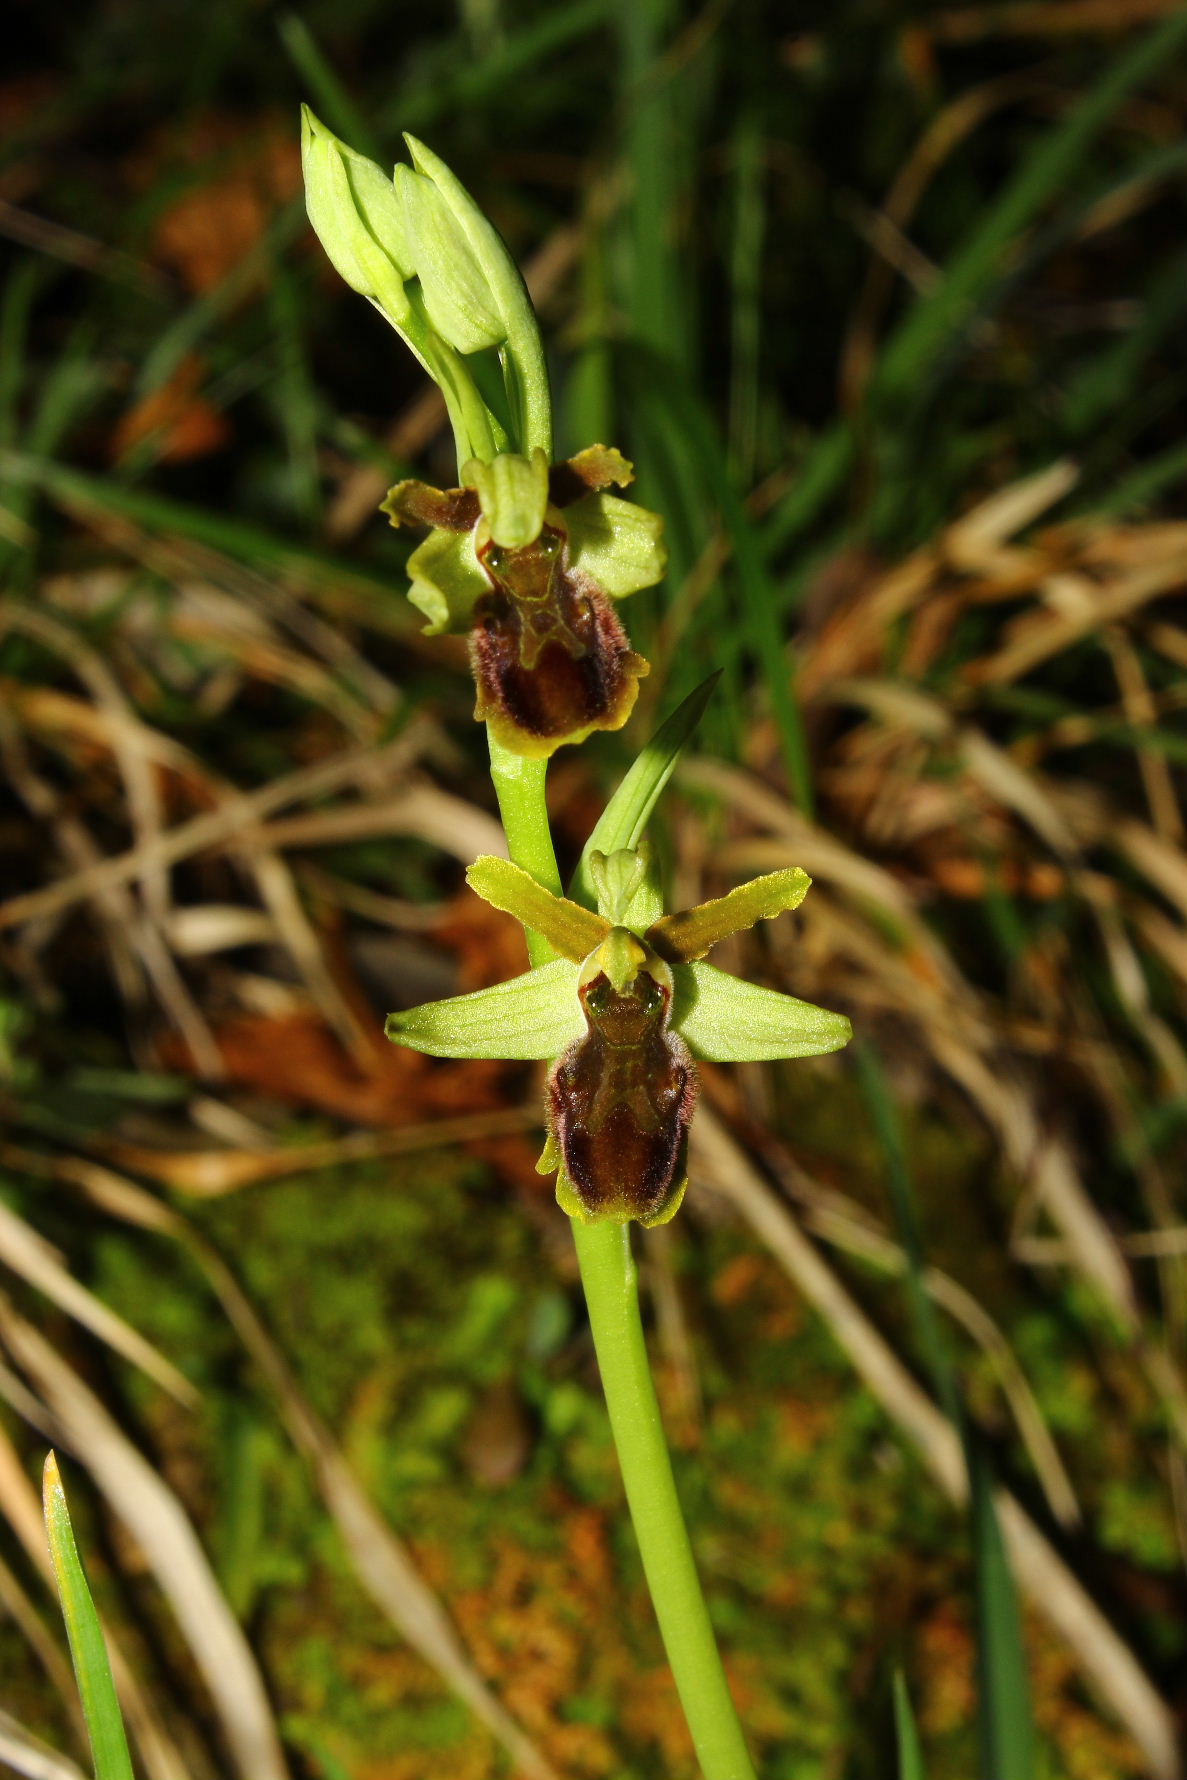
(616, 543)
(572, 931)
(532, 1017)
(693, 932)
(725, 1020)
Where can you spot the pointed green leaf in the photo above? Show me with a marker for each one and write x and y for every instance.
(910, 1755)
(446, 580)
(627, 814)
(726, 1020)
(569, 929)
(533, 1016)
(88, 1652)
(693, 932)
(618, 544)
(513, 493)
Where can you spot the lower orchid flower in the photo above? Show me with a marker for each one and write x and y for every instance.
(622, 1012)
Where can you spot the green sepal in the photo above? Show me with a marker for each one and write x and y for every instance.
(726, 1020)
(618, 878)
(616, 543)
(532, 1017)
(693, 932)
(571, 930)
(447, 579)
(513, 495)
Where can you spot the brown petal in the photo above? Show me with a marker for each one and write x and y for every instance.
(598, 466)
(447, 509)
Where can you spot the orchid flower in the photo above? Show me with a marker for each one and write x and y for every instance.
(622, 1012)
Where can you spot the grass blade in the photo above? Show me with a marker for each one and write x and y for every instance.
(330, 96)
(1041, 176)
(1004, 1720)
(910, 1755)
(761, 623)
(928, 1333)
(105, 1725)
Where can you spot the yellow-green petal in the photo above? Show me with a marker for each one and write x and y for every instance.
(725, 1020)
(533, 1016)
(572, 931)
(692, 933)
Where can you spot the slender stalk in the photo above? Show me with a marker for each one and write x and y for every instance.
(519, 787)
(611, 1292)
(612, 1295)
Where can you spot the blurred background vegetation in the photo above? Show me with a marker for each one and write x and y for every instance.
(882, 300)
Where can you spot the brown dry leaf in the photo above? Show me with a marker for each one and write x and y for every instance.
(180, 422)
(489, 945)
(295, 1057)
(243, 177)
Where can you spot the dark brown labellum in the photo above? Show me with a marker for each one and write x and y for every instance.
(550, 657)
(620, 1100)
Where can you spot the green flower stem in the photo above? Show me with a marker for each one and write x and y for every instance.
(519, 787)
(612, 1296)
(611, 1292)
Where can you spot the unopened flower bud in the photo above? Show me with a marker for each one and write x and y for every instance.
(357, 218)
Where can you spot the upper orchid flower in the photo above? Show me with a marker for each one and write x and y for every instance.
(526, 558)
(623, 1011)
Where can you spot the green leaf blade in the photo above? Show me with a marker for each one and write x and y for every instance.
(910, 1755)
(725, 1020)
(88, 1652)
(1004, 1715)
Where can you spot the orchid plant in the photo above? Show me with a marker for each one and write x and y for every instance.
(526, 556)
